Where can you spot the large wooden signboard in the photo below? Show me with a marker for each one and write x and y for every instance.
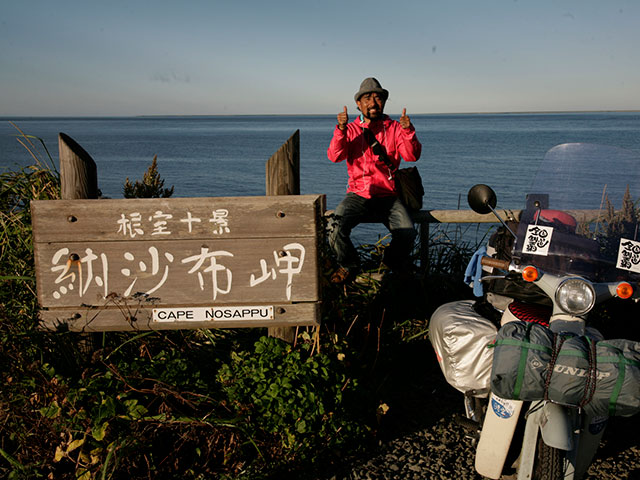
(176, 263)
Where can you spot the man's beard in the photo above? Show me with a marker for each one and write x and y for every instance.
(375, 115)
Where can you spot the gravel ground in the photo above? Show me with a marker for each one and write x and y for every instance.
(443, 452)
(426, 443)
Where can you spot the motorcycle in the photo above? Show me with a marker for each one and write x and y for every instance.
(540, 382)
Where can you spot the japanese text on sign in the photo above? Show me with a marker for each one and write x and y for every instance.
(76, 272)
(133, 224)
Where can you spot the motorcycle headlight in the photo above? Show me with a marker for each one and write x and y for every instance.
(575, 296)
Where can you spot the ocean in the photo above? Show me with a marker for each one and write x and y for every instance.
(226, 155)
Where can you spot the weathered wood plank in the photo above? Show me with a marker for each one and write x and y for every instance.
(460, 216)
(99, 262)
(282, 177)
(78, 180)
(177, 218)
(183, 272)
(282, 171)
(469, 216)
(131, 316)
(78, 171)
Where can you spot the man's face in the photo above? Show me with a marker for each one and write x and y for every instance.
(371, 105)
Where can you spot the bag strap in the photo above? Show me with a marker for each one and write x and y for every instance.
(378, 149)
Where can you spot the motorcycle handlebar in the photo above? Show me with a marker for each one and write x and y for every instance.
(495, 263)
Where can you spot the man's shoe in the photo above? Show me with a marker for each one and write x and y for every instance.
(371, 279)
(341, 275)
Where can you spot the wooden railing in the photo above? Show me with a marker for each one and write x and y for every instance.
(424, 218)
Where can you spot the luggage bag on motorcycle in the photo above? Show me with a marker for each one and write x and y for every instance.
(522, 352)
(531, 363)
(460, 337)
(618, 382)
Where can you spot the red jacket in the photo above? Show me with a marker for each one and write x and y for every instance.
(369, 176)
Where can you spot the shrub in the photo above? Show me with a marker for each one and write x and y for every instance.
(298, 403)
(152, 185)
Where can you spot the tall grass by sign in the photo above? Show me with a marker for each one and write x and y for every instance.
(17, 189)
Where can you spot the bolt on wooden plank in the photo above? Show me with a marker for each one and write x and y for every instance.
(179, 263)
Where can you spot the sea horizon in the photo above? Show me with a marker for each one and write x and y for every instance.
(225, 155)
(5, 117)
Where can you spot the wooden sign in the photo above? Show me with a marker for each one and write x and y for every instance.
(144, 264)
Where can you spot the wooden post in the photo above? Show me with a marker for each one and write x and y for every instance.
(283, 168)
(78, 180)
(78, 172)
(283, 178)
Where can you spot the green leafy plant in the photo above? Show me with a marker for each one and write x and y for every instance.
(297, 402)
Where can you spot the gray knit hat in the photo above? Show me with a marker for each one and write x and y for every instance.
(371, 85)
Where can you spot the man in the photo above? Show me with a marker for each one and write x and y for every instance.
(371, 193)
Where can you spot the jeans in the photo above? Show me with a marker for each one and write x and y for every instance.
(389, 211)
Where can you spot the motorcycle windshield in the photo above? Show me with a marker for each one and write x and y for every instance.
(580, 216)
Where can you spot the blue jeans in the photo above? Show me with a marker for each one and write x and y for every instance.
(389, 211)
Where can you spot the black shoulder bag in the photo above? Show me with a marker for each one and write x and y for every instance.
(408, 180)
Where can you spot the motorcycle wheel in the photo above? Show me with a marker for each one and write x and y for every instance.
(549, 462)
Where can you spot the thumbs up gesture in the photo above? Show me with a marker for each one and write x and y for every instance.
(343, 119)
(405, 121)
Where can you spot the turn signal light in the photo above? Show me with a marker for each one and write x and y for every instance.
(530, 274)
(624, 290)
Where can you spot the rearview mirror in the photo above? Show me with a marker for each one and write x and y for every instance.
(482, 199)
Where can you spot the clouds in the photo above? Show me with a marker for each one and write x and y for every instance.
(170, 77)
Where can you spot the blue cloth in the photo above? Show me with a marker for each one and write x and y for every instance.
(473, 273)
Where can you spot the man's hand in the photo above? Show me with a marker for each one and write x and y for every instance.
(343, 119)
(405, 121)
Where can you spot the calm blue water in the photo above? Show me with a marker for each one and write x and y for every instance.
(226, 156)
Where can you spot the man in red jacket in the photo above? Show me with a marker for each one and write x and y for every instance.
(371, 193)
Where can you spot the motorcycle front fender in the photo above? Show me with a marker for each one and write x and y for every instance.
(557, 425)
(497, 433)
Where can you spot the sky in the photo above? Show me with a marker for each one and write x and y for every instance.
(214, 57)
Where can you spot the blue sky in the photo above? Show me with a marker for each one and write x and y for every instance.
(186, 57)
